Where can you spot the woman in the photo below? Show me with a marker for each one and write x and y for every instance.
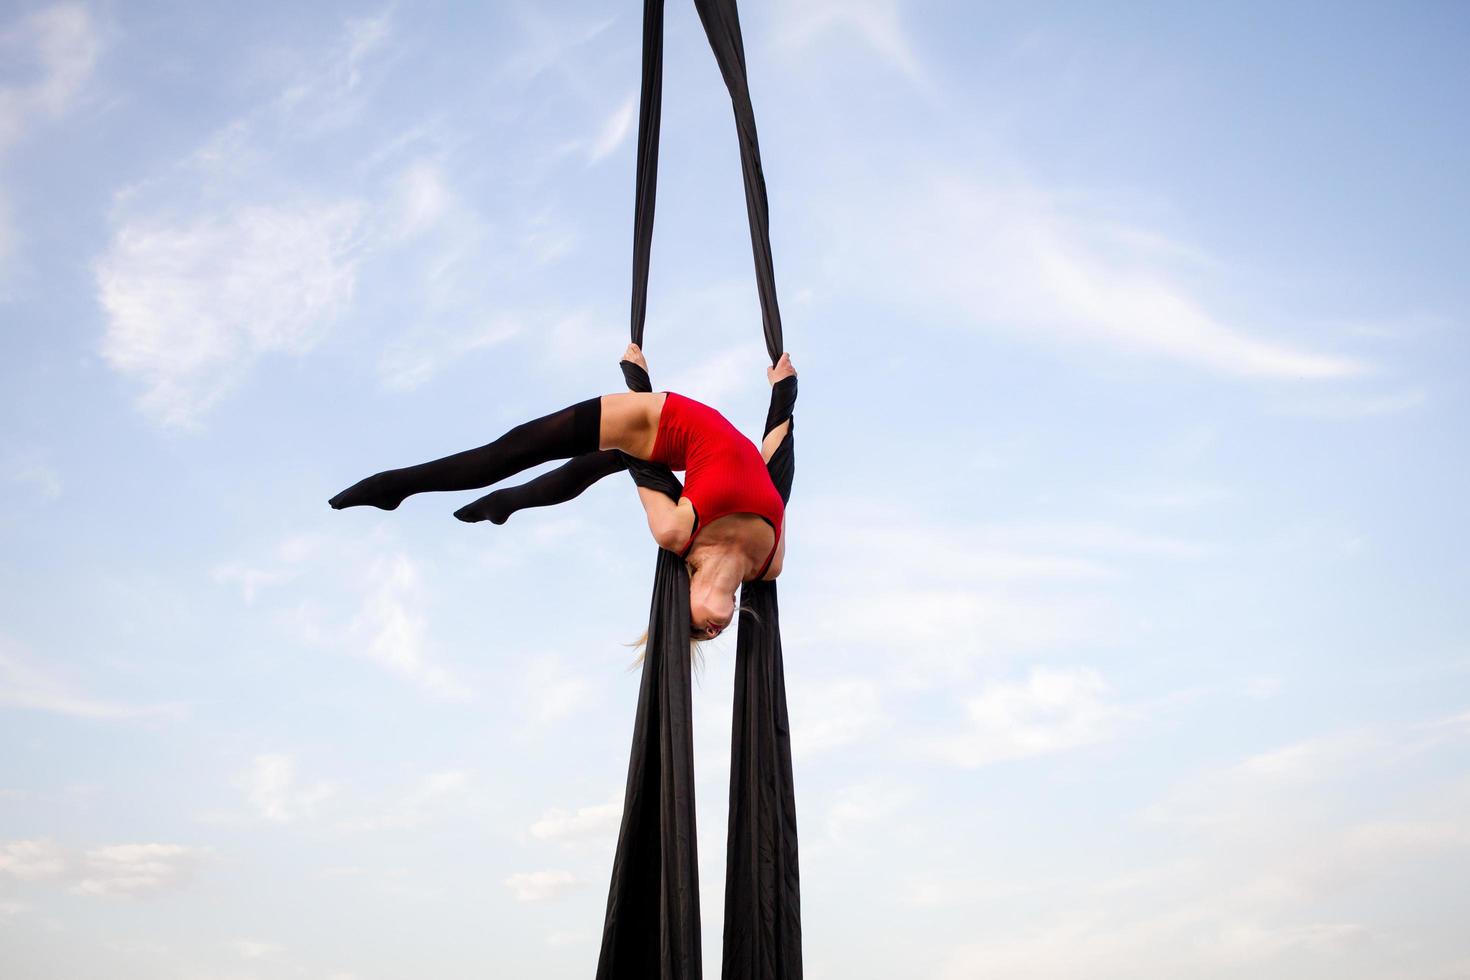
(728, 526)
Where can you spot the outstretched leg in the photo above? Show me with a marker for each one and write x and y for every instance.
(626, 421)
(564, 483)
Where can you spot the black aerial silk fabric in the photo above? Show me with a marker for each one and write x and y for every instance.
(652, 925)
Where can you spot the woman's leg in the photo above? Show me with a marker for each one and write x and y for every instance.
(564, 483)
(627, 421)
(630, 422)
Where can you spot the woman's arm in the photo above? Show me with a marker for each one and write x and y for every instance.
(778, 372)
(778, 557)
(772, 441)
(670, 523)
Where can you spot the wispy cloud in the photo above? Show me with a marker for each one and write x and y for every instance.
(417, 806)
(291, 555)
(31, 470)
(594, 822)
(133, 870)
(876, 24)
(1176, 497)
(206, 273)
(30, 860)
(328, 92)
(421, 198)
(1356, 406)
(552, 691)
(614, 130)
(192, 305)
(254, 949)
(370, 602)
(27, 684)
(1007, 255)
(417, 358)
(718, 375)
(938, 601)
(63, 44)
(542, 886)
(113, 870)
(1052, 710)
(1261, 867)
(548, 44)
(863, 808)
(835, 713)
(391, 630)
(271, 787)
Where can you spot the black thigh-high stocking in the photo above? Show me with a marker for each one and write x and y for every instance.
(572, 431)
(557, 487)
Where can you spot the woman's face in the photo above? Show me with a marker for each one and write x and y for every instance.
(709, 614)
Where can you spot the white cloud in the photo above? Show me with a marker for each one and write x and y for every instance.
(938, 633)
(191, 304)
(541, 886)
(381, 586)
(391, 629)
(587, 822)
(1184, 496)
(37, 474)
(936, 600)
(25, 683)
(1051, 711)
(1005, 255)
(31, 860)
(409, 363)
(1361, 406)
(875, 23)
(136, 869)
(551, 691)
(252, 578)
(718, 376)
(1292, 862)
(417, 806)
(421, 198)
(270, 786)
(110, 870)
(858, 808)
(63, 43)
(328, 92)
(614, 131)
(207, 272)
(251, 949)
(548, 44)
(833, 713)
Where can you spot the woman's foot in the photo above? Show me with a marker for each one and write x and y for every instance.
(636, 356)
(375, 491)
(493, 507)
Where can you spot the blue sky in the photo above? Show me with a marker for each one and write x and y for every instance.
(1124, 595)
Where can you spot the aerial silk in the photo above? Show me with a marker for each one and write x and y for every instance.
(652, 925)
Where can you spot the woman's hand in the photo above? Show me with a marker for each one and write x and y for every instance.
(635, 355)
(782, 369)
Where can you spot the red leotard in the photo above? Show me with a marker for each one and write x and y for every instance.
(724, 472)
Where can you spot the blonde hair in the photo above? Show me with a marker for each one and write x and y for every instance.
(696, 646)
(696, 651)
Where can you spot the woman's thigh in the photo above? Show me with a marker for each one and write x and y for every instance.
(630, 421)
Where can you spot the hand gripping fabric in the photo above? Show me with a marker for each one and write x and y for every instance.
(652, 925)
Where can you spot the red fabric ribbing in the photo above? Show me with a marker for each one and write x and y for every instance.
(723, 470)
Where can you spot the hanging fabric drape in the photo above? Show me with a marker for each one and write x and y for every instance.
(652, 926)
